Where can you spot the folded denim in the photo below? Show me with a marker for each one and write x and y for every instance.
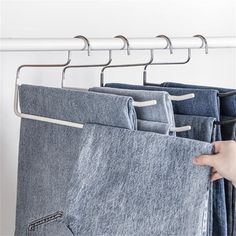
(228, 104)
(161, 112)
(206, 103)
(79, 106)
(202, 128)
(48, 152)
(157, 127)
(137, 183)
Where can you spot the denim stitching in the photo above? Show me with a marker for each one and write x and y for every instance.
(32, 226)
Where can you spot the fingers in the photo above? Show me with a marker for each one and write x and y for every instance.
(215, 176)
(217, 146)
(204, 160)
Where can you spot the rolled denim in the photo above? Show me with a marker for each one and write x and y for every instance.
(161, 112)
(157, 127)
(202, 128)
(137, 183)
(48, 152)
(206, 103)
(228, 104)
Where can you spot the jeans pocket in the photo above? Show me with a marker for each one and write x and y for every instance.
(50, 225)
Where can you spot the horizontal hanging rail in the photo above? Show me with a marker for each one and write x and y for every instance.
(75, 44)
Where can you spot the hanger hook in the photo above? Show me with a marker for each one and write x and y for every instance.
(126, 43)
(204, 42)
(86, 41)
(17, 83)
(84, 66)
(169, 43)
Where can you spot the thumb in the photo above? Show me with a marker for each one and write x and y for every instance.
(208, 160)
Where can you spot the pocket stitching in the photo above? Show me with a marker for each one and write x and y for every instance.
(46, 219)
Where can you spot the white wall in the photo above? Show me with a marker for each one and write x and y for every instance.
(104, 18)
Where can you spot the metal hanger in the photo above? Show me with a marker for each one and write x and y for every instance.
(135, 103)
(169, 45)
(205, 44)
(127, 46)
(34, 117)
(225, 122)
(87, 43)
(173, 98)
(51, 120)
(222, 95)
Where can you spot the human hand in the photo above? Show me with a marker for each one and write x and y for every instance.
(223, 161)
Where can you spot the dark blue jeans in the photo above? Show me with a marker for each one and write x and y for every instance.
(227, 104)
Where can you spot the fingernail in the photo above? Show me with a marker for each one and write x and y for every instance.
(195, 160)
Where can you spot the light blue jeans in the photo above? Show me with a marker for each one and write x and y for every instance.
(48, 152)
(137, 183)
(156, 118)
(206, 103)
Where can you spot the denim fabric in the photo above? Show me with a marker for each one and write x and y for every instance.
(206, 103)
(228, 104)
(48, 152)
(202, 128)
(137, 183)
(79, 106)
(229, 133)
(53, 227)
(161, 112)
(227, 108)
(157, 127)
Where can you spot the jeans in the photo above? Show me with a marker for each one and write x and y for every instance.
(161, 112)
(137, 183)
(157, 127)
(228, 104)
(48, 152)
(206, 103)
(228, 131)
(202, 128)
(228, 111)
